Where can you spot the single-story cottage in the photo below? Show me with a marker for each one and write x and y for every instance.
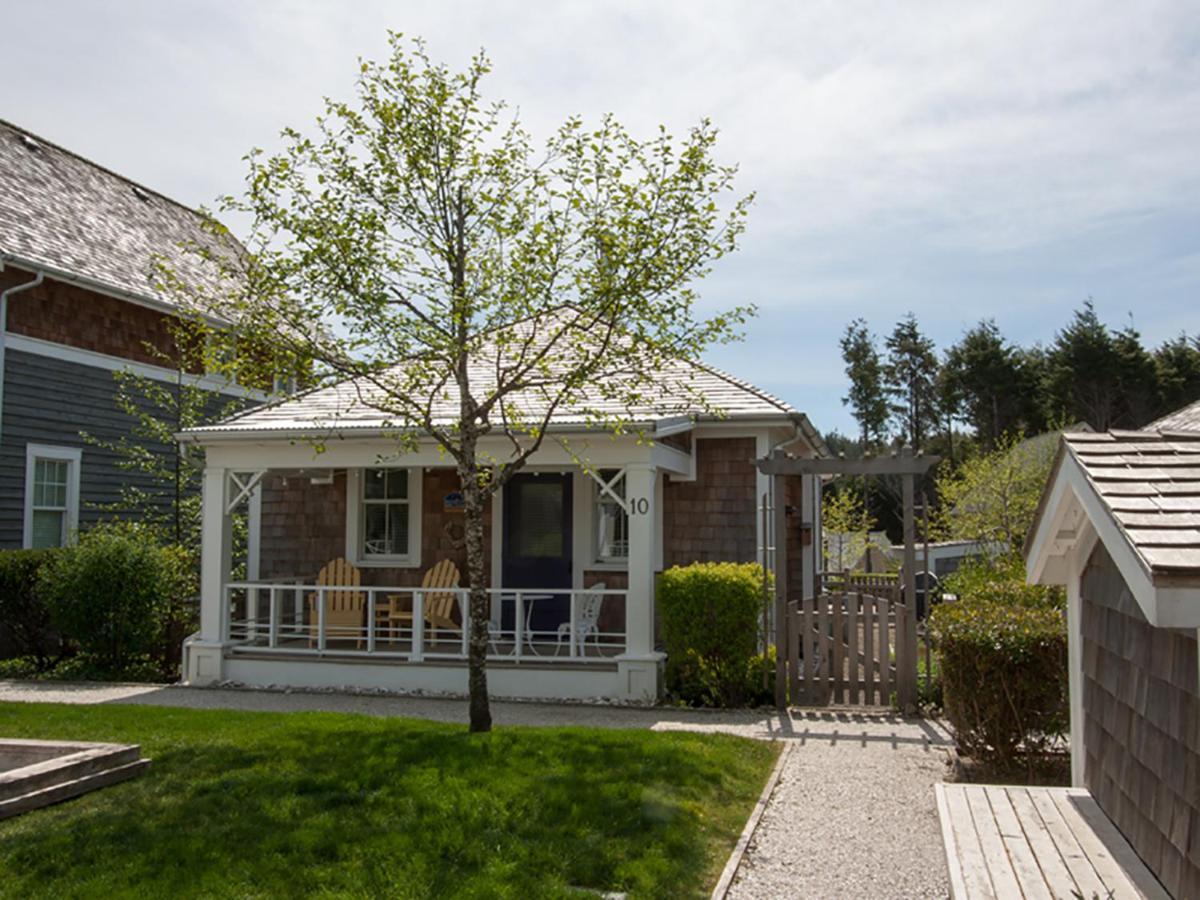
(356, 573)
(1119, 527)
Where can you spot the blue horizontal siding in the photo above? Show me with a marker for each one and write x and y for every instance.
(50, 401)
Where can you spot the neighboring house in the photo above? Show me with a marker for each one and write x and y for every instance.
(77, 248)
(1119, 526)
(945, 557)
(557, 532)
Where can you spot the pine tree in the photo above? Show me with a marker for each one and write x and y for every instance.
(910, 379)
(865, 371)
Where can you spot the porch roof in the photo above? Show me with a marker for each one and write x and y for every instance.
(349, 409)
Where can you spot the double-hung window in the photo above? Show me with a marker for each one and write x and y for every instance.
(51, 495)
(383, 524)
(612, 522)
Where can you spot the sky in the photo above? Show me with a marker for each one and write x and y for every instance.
(957, 160)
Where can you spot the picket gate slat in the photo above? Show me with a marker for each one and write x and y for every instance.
(869, 648)
(853, 623)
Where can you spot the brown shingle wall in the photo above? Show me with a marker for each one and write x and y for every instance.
(1141, 705)
(66, 314)
(712, 519)
(304, 526)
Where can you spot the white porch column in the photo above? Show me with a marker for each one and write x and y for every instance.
(639, 665)
(203, 653)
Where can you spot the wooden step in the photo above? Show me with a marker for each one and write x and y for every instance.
(73, 788)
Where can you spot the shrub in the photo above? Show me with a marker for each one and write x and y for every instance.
(1001, 580)
(22, 613)
(1004, 676)
(112, 595)
(710, 615)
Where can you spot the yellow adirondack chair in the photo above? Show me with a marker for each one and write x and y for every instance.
(343, 608)
(439, 607)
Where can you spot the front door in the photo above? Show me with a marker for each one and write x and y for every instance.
(537, 544)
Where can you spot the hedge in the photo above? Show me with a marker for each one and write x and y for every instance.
(710, 616)
(23, 615)
(1004, 675)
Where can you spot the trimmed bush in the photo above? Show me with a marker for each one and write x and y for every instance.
(710, 616)
(23, 615)
(1004, 676)
(113, 595)
(1001, 580)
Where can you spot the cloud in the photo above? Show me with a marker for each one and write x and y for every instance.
(957, 160)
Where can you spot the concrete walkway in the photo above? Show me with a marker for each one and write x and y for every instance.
(853, 814)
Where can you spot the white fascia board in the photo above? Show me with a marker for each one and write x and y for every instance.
(598, 450)
(1162, 607)
(79, 356)
(1041, 548)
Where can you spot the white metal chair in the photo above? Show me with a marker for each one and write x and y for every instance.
(587, 620)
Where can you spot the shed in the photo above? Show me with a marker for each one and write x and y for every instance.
(1119, 526)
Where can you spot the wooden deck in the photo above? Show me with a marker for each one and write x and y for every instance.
(1036, 842)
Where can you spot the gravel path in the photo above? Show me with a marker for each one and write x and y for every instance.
(853, 814)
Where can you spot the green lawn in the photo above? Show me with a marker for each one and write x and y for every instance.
(281, 804)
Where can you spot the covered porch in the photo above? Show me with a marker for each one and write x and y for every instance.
(354, 569)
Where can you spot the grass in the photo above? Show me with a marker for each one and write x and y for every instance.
(240, 804)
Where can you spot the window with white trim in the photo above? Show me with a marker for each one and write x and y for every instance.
(612, 522)
(383, 516)
(51, 495)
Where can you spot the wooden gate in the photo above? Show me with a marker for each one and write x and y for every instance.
(853, 644)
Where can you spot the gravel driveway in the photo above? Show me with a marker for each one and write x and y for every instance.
(853, 814)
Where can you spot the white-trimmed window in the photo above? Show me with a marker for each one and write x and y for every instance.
(51, 495)
(611, 522)
(383, 516)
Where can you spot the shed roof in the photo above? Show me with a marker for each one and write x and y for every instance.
(1182, 420)
(1149, 484)
(64, 213)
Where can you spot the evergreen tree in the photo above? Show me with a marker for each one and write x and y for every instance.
(1137, 380)
(910, 379)
(865, 371)
(1083, 373)
(1177, 371)
(983, 373)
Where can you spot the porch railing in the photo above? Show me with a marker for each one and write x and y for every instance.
(417, 624)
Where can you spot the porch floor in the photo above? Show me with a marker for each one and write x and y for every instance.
(1038, 842)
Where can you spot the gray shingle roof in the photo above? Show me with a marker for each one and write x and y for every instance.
(347, 407)
(1186, 419)
(1149, 483)
(62, 211)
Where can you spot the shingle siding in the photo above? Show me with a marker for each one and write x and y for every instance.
(1141, 703)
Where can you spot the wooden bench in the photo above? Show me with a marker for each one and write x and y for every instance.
(1036, 842)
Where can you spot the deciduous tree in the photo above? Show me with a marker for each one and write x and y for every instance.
(418, 245)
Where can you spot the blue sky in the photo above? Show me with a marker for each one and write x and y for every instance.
(957, 160)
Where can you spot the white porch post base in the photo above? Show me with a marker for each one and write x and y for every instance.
(640, 677)
(202, 661)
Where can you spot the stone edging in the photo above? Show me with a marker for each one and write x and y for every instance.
(725, 882)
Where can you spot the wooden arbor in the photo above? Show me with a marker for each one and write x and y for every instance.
(908, 466)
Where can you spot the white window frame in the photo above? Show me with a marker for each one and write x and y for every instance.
(600, 495)
(73, 456)
(354, 522)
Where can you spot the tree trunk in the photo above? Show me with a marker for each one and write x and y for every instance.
(480, 613)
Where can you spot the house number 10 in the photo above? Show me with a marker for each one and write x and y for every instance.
(639, 506)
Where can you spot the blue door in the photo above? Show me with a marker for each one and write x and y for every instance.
(537, 545)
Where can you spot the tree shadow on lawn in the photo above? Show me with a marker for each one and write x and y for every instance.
(339, 804)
